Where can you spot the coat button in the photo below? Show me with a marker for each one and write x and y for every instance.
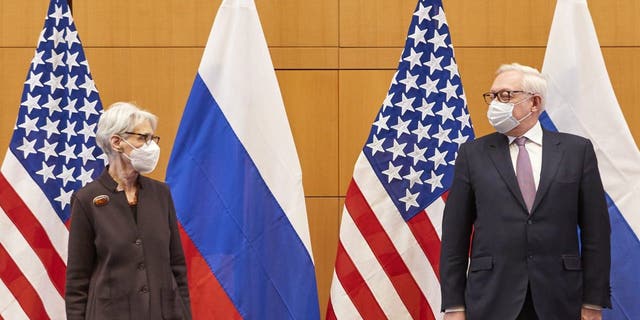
(141, 266)
(138, 242)
(529, 222)
(144, 289)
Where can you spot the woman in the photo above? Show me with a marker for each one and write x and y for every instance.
(125, 256)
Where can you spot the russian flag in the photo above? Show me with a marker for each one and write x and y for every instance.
(581, 101)
(236, 181)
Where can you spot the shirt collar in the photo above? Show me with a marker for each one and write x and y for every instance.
(534, 134)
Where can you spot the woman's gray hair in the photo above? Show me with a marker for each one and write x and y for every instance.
(532, 80)
(119, 118)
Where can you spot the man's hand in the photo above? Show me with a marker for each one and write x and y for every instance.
(589, 314)
(456, 315)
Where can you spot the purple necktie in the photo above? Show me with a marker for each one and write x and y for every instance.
(524, 173)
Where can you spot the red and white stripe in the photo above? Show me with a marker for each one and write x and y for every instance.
(385, 267)
(33, 248)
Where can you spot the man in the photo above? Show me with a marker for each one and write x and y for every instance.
(518, 197)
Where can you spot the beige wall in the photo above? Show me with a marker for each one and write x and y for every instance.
(334, 61)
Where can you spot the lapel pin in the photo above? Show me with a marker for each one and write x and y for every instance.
(101, 200)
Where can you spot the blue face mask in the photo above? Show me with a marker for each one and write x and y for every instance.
(501, 117)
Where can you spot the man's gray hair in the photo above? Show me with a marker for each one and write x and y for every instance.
(532, 80)
(119, 118)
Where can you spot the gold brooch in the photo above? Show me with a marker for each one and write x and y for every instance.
(101, 200)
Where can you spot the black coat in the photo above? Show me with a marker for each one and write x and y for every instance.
(120, 269)
(511, 249)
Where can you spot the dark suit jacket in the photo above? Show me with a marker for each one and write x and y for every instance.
(118, 269)
(511, 249)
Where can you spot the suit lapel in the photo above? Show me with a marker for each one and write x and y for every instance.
(551, 156)
(498, 150)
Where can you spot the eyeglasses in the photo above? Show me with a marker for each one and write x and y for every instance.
(147, 137)
(502, 95)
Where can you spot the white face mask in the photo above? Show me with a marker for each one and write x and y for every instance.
(145, 158)
(501, 117)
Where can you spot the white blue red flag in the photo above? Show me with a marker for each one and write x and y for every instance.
(389, 247)
(236, 181)
(581, 101)
(52, 153)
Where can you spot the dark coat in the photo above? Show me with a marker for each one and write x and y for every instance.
(120, 269)
(511, 249)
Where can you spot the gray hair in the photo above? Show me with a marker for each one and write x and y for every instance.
(532, 80)
(118, 119)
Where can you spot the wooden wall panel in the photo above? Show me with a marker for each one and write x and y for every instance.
(361, 95)
(304, 58)
(370, 58)
(374, 23)
(157, 79)
(14, 64)
(496, 23)
(187, 23)
(324, 223)
(299, 23)
(499, 22)
(492, 23)
(623, 65)
(21, 22)
(144, 23)
(311, 100)
(616, 22)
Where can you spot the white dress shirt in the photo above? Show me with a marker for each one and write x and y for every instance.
(533, 145)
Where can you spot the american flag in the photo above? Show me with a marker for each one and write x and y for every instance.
(389, 246)
(52, 153)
